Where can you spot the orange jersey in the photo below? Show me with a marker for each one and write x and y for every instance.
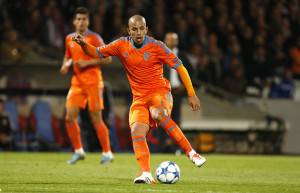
(144, 65)
(89, 75)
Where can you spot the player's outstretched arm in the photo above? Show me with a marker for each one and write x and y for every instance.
(194, 101)
(93, 62)
(87, 48)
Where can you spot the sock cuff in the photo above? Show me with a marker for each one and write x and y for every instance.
(107, 153)
(191, 153)
(80, 151)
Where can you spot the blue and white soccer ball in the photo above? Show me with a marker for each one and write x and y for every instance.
(168, 172)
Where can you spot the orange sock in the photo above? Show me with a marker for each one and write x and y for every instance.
(103, 136)
(175, 133)
(141, 152)
(74, 134)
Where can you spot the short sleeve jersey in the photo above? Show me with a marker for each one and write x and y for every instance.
(89, 75)
(144, 65)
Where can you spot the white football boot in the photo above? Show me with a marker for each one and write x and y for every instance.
(144, 178)
(197, 159)
(107, 158)
(76, 157)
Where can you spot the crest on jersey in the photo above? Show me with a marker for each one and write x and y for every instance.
(146, 56)
(72, 45)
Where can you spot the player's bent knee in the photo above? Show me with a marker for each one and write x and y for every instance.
(158, 113)
(96, 116)
(70, 118)
(72, 114)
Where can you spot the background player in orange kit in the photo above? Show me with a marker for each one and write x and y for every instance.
(86, 87)
(143, 58)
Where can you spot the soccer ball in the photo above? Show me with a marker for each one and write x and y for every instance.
(168, 172)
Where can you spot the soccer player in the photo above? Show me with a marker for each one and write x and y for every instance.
(86, 87)
(143, 58)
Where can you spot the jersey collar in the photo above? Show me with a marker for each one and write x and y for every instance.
(144, 42)
(87, 32)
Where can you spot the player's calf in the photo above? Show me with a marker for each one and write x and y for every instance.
(177, 135)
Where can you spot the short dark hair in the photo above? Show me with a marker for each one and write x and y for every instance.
(81, 10)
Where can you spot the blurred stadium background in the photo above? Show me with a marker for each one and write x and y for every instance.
(244, 58)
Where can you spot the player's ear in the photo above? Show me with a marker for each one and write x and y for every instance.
(88, 23)
(128, 30)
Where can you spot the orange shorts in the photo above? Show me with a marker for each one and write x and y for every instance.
(78, 96)
(140, 108)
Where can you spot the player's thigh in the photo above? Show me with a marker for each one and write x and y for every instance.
(95, 98)
(76, 97)
(161, 105)
(138, 113)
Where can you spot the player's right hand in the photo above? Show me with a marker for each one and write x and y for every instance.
(79, 39)
(194, 102)
(64, 70)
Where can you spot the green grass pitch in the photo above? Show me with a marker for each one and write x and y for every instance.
(48, 172)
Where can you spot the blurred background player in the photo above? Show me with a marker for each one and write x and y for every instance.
(171, 40)
(143, 58)
(86, 87)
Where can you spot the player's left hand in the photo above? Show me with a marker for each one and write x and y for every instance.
(82, 63)
(194, 102)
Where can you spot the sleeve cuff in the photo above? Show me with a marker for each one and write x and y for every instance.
(99, 53)
(176, 66)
